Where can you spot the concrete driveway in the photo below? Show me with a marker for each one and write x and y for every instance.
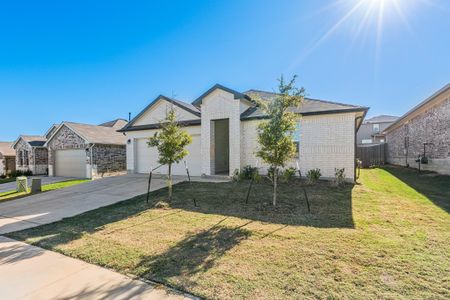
(55, 205)
(11, 186)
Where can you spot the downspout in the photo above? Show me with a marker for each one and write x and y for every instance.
(354, 160)
(91, 158)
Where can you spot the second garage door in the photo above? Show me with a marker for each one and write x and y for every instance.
(147, 157)
(70, 163)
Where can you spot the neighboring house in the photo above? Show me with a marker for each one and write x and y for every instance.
(371, 131)
(223, 124)
(87, 151)
(7, 158)
(423, 131)
(31, 154)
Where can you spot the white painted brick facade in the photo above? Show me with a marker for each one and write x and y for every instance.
(215, 106)
(326, 142)
(158, 113)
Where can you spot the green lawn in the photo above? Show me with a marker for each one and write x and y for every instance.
(6, 180)
(387, 237)
(11, 195)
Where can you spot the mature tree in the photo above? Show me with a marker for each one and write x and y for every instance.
(275, 135)
(171, 142)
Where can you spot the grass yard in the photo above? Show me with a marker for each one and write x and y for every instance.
(6, 180)
(386, 237)
(11, 195)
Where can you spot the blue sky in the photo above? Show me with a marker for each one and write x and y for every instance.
(93, 61)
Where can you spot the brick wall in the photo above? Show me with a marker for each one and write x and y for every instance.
(405, 143)
(108, 159)
(326, 142)
(64, 139)
(220, 105)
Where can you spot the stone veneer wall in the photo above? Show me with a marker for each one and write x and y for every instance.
(108, 160)
(40, 157)
(64, 139)
(37, 158)
(432, 126)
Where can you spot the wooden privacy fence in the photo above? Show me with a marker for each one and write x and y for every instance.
(371, 155)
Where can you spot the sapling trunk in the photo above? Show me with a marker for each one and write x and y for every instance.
(169, 182)
(275, 179)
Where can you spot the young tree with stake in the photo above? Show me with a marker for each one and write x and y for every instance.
(275, 135)
(171, 142)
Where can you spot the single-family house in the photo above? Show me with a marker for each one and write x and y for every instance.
(223, 124)
(424, 131)
(87, 151)
(371, 130)
(31, 154)
(7, 158)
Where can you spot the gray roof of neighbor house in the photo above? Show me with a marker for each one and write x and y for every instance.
(95, 134)
(308, 107)
(117, 123)
(382, 119)
(32, 140)
(6, 149)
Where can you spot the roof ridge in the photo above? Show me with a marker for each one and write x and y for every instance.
(307, 98)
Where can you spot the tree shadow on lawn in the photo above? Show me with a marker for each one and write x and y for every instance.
(196, 253)
(331, 207)
(433, 186)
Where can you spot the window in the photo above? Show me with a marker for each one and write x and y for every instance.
(20, 158)
(296, 139)
(376, 128)
(25, 158)
(368, 141)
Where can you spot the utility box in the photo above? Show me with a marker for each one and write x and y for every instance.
(36, 185)
(21, 184)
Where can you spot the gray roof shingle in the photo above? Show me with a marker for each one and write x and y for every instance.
(95, 134)
(6, 149)
(308, 107)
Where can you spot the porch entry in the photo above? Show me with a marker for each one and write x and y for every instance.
(221, 147)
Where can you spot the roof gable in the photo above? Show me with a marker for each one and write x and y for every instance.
(93, 134)
(31, 140)
(236, 94)
(189, 112)
(438, 97)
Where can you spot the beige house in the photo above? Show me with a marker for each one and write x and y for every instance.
(7, 158)
(223, 123)
(423, 132)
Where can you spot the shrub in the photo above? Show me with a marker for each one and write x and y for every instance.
(2, 176)
(248, 172)
(288, 174)
(339, 176)
(16, 173)
(313, 175)
(28, 173)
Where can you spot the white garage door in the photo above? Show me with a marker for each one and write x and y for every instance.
(147, 158)
(70, 163)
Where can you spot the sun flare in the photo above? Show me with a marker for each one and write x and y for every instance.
(365, 21)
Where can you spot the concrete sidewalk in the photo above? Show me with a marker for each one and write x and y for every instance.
(11, 186)
(28, 272)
